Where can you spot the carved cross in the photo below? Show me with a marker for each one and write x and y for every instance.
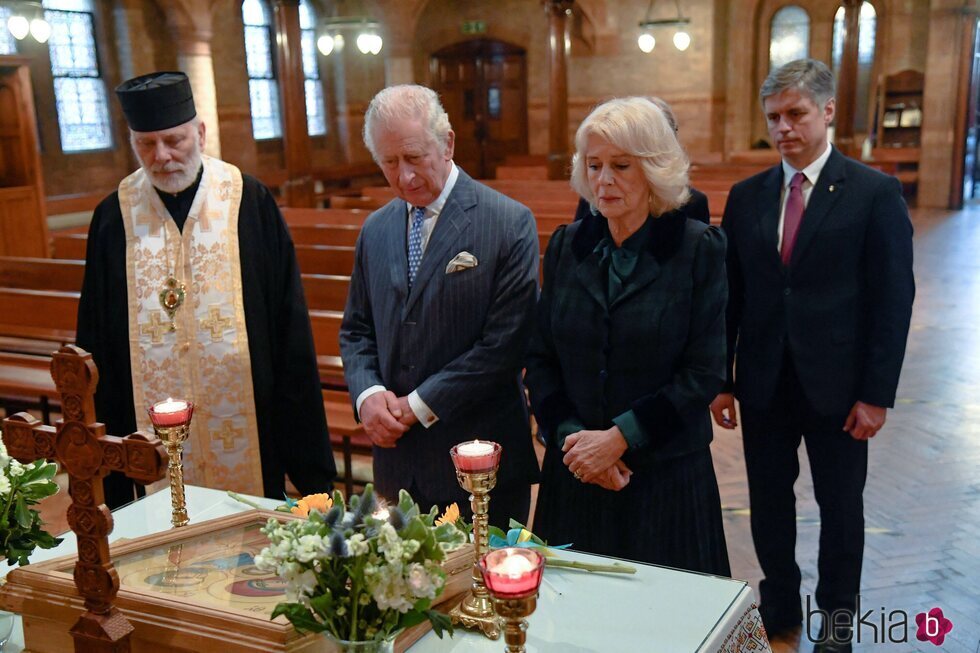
(82, 448)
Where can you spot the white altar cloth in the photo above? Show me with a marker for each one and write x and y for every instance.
(657, 609)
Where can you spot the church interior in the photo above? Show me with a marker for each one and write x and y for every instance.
(283, 85)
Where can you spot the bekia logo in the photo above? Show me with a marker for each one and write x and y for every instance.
(877, 626)
(933, 626)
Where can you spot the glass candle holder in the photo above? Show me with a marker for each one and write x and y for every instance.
(171, 421)
(512, 577)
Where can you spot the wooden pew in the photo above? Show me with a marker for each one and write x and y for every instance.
(46, 316)
(325, 259)
(69, 245)
(344, 235)
(41, 273)
(325, 291)
(304, 217)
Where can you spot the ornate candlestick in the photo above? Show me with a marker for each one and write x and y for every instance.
(172, 421)
(476, 470)
(512, 577)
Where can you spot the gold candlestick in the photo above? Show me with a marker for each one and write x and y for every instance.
(513, 589)
(477, 475)
(172, 428)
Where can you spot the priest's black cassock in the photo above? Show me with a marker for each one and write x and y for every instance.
(292, 428)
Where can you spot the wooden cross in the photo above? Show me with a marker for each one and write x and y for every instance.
(80, 445)
(216, 324)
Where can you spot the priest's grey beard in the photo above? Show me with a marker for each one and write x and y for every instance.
(181, 176)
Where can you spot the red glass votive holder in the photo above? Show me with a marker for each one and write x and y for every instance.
(513, 572)
(476, 456)
(170, 413)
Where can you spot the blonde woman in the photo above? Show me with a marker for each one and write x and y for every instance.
(628, 352)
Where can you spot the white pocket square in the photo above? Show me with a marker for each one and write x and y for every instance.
(462, 261)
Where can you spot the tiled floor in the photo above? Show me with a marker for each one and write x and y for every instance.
(923, 493)
(922, 500)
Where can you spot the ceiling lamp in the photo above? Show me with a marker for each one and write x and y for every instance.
(368, 30)
(28, 18)
(682, 40)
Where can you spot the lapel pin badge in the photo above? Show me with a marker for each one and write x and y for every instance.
(831, 189)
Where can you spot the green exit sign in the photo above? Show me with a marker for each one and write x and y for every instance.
(474, 27)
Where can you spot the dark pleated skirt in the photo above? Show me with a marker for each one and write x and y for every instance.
(669, 514)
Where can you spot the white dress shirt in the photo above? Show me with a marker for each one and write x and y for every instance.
(422, 412)
(811, 174)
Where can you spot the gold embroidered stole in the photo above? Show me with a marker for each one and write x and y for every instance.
(205, 359)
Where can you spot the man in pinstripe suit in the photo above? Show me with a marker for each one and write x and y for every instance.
(438, 316)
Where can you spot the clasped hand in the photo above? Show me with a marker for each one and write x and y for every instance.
(386, 417)
(594, 457)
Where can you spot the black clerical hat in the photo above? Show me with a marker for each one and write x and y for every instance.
(156, 101)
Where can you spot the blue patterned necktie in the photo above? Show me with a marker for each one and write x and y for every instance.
(415, 243)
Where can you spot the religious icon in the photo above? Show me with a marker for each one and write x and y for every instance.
(171, 298)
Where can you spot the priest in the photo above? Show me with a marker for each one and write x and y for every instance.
(192, 291)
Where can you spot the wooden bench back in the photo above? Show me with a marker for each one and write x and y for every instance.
(48, 315)
(69, 245)
(344, 235)
(325, 259)
(41, 273)
(326, 291)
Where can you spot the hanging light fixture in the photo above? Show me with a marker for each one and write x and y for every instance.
(368, 31)
(682, 40)
(28, 18)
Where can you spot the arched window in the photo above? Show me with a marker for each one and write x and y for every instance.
(263, 91)
(789, 36)
(316, 123)
(79, 92)
(7, 42)
(867, 28)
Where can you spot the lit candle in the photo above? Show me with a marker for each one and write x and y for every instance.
(512, 572)
(476, 456)
(172, 412)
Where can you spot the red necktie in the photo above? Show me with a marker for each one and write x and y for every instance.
(793, 216)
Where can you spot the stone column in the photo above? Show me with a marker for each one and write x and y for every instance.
(190, 28)
(558, 12)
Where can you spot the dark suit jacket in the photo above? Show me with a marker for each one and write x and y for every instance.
(695, 209)
(459, 339)
(843, 304)
(659, 350)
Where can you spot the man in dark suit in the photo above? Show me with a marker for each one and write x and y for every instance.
(438, 317)
(820, 298)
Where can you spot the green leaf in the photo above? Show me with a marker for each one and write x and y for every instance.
(22, 513)
(299, 616)
(440, 623)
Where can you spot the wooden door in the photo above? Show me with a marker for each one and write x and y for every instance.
(483, 86)
(23, 224)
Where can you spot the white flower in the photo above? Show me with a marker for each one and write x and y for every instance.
(4, 485)
(302, 585)
(16, 469)
(309, 547)
(357, 544)
(390, 544)
(420, 582)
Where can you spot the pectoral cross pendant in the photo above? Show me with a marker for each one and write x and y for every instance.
(171, 298)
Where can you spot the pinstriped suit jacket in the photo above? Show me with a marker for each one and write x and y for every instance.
(459, 338)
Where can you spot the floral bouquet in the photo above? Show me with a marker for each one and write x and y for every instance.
(23, 486)
(357, 571)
